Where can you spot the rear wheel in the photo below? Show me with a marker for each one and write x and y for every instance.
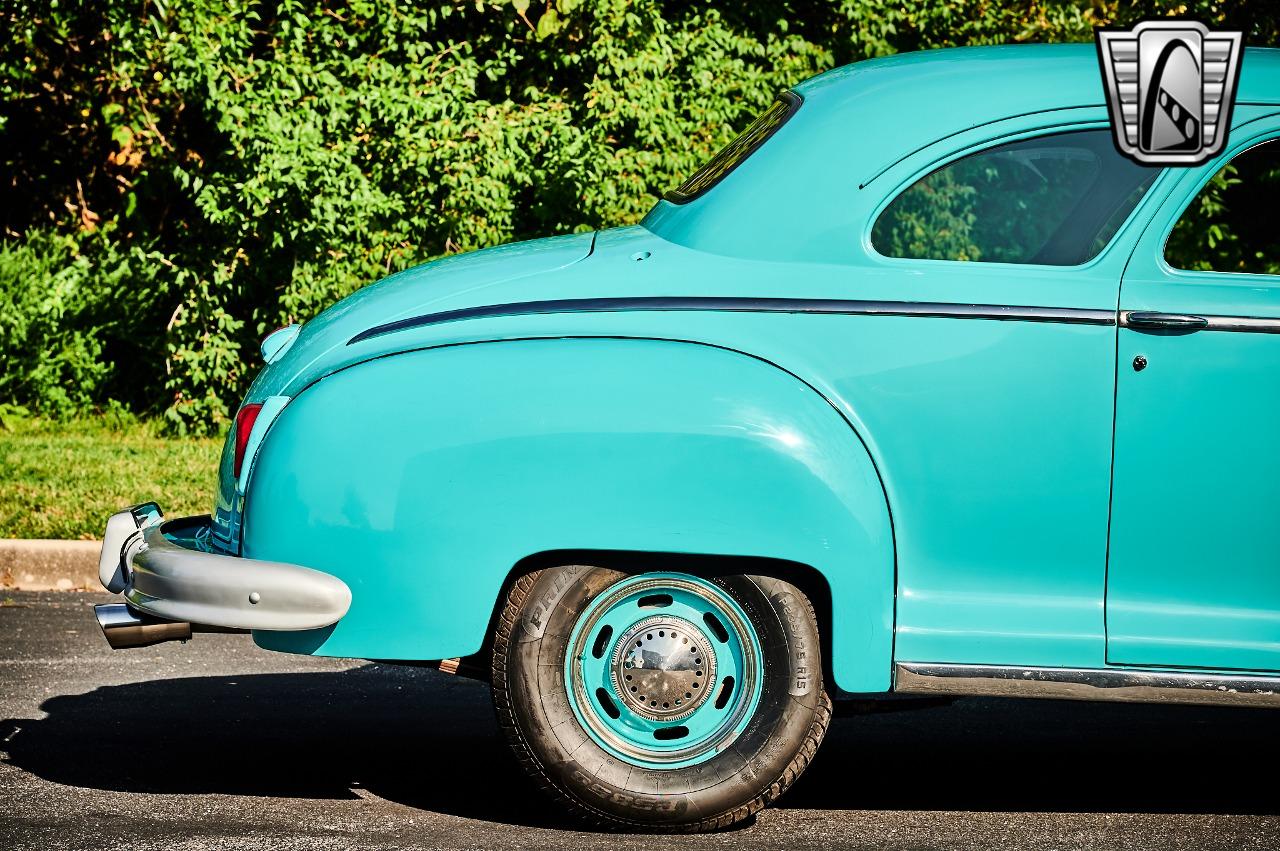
(660, 701)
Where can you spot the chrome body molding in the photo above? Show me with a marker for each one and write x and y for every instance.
(1246, 324)
(170, 571)
(732, 304)
(846, 307)
(1102, 684)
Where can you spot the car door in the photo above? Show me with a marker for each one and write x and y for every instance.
(1194, 557)
(994, 437)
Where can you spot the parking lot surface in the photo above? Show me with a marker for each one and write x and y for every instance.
(217, 744)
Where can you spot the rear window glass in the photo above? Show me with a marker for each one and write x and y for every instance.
(1231, 225)
(1054, 200)
(738, 150)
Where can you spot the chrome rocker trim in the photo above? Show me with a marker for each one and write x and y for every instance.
(1103, 684)
(173, 582)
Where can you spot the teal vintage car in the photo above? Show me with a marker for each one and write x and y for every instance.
(918, 387)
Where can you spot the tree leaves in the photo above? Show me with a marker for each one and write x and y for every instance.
(254, 162)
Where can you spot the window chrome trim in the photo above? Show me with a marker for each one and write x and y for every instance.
(1101, 684)
(853, 307)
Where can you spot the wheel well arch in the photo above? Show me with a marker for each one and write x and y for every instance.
(811, 582)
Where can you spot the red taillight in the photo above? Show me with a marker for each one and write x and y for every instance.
(244, 425)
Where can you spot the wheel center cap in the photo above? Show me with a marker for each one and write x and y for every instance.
(664, 668)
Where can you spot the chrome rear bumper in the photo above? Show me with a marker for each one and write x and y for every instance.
(171, 572)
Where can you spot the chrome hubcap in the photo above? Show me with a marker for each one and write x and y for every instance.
(662, 667)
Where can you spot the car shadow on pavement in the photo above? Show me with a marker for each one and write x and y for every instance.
(429, 741)
(409, 735)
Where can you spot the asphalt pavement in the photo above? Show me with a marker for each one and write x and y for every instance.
(217, 744)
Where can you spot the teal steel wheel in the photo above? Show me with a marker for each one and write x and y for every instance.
(663, 670)
(659, 701)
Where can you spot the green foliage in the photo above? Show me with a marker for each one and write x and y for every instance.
(46, 302)
(219, 167)
(72, 319)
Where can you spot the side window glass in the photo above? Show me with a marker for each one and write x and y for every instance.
(1231, 226)
(1055, 200)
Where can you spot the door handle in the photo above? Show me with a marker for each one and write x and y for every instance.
(1147, 320)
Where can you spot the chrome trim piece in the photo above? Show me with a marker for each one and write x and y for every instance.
(121, 534)
(732, 304)
(1246, 324)
(166, 580)
(1239, 324)
(1101, 684)
(663, 665)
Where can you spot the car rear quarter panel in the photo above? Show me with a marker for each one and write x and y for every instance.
(420, 479)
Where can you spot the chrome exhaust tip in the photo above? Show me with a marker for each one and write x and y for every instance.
(126, 627)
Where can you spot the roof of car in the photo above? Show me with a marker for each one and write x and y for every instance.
(861, 119)
(1002, 80)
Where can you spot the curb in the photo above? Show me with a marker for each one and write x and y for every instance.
(49, 565)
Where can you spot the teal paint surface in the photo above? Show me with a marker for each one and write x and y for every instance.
(948, 478)
(470, 458)
(274, 344)
(1194, 578)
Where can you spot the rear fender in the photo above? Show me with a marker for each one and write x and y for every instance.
(422, 478)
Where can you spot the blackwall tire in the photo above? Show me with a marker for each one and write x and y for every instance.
(604, 768)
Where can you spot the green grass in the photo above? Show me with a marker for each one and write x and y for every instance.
(63, 479)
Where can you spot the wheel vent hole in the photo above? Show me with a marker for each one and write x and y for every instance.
(713, 624)
(607, 704)
(726, 692)
(666, 734)
(655, 601)
(597, 649)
